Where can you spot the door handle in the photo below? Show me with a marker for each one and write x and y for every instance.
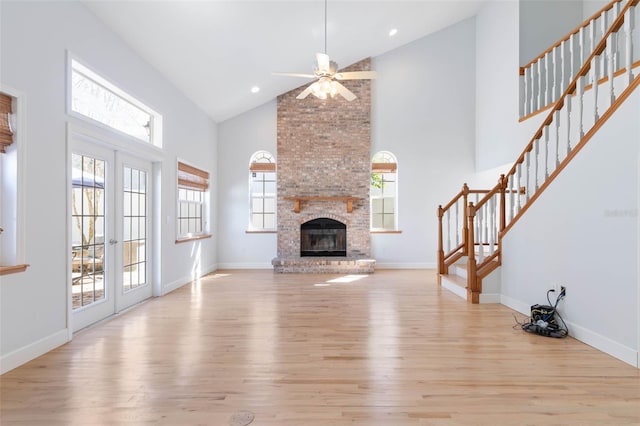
(113, 241)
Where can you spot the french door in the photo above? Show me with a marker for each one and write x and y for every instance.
(110, 232)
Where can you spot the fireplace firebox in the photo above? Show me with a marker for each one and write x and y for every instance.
(323, 237)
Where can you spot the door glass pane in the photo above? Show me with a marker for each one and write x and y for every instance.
(134, 233)
(88, 230)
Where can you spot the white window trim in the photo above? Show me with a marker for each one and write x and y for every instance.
(156, 130)
(250, 227)
(19, 143)
(371, 198)
(206, 206)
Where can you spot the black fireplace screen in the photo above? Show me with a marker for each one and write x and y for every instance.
(323, 237)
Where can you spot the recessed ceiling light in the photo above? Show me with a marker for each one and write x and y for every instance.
(393, 32)
(255, 89)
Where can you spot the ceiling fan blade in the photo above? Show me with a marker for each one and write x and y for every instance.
(294, 74)
(356, 75)
(346, 93)
(324, 63)
(306, 92)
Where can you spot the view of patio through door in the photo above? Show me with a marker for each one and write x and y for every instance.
(87, 230)
(110, 238)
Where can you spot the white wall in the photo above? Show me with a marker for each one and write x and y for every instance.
(423, 111)
(559, 17)
(583, 233)
(240, 138)
(498, 140)
(35, 37)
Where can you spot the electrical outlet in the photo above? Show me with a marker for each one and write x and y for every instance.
(563, 290)
(557, 288)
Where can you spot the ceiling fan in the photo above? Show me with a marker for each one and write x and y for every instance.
(326, 74)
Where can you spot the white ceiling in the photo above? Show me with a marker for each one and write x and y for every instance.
(216, 51)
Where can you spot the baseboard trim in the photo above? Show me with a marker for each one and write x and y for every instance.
(588, 337)
(490, 298)
(604, 344)
(516, 305)
(33, 350)
(174, 285)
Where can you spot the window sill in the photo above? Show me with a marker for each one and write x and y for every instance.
(194, 238)
(385, 232)
(249, 231)
(13, 269)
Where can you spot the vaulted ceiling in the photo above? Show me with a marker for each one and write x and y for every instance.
(216, 51)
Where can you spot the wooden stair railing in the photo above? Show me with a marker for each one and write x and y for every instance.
(542, 79)
(454, 246)
(563, 133)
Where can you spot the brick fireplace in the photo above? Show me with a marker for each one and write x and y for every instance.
(323, 157)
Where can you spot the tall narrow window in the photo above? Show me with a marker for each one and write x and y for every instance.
(384, 190)
(92, 96)
(193, 184)
(262, 189)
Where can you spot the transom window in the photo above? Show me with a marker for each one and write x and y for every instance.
(94, 97)
(384, 190)
(262, 192)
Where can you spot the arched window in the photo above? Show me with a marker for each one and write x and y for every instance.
(262, 192)
(384, 192)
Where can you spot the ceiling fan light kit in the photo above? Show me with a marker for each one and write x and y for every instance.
(326, 75)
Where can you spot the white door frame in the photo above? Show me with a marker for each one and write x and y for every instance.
(151, 154)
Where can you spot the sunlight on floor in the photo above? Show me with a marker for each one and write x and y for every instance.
(347, 279)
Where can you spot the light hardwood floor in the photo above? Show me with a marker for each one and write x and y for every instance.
(385, 349)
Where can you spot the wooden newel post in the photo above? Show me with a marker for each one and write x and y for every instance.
(440, 242)
(503, 203)
(465, 225)
(473, 292)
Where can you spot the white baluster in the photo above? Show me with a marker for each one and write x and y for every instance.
(556, 74)
(628, 34)
(580, 99)
(536, 161)
(527, 89)
(539, 88)
(615, 11)
(527, 157)
(509, 212)
(480, 240)
(457, 225)
(583, 46)
(532, 88)
(449, 231)
(492, 229)
(603, 29)
(546, 77)
(556, 119)
(572, 54)
(610, 67)
(595, 66)
(563, 62)
(518, 186)
(567, 105)
(545, 131)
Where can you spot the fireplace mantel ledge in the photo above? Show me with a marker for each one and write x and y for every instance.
(298, 200)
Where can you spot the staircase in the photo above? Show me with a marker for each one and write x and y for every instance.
(473, 223)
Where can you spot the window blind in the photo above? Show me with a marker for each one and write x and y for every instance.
(190, 177)
(263, 167)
